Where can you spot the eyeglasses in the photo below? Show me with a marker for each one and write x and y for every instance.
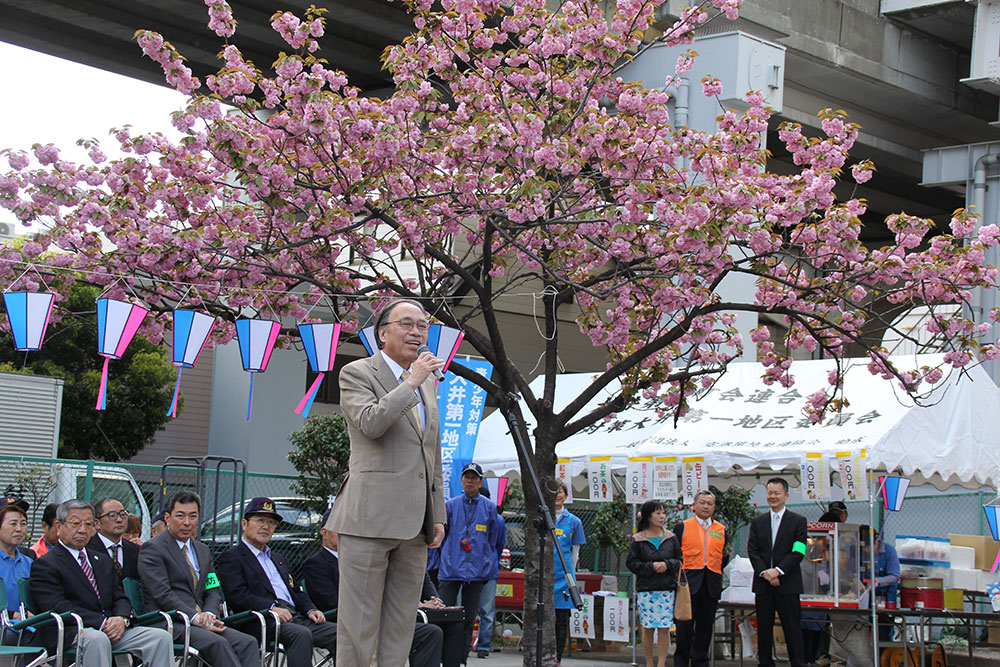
(123, 514)
(419, 325)
(76, 523)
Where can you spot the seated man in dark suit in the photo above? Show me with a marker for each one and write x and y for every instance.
(112, 519)
(70, 577)
(254, 577)
(322, 574)
(178, 573)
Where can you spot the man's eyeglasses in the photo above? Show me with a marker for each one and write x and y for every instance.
(76, 523)
(123, 514)
(420, 325)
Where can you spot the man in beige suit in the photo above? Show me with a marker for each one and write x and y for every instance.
(391, 507)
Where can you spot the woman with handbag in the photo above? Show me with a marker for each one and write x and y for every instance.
(655, 558)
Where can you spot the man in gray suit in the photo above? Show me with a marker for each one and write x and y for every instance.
(391, 507)
(177, 572)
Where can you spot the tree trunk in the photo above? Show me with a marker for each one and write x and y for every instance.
(544, 462)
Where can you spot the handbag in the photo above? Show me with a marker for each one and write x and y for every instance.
(682, 599)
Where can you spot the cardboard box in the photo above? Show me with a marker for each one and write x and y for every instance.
(993, 634)
(953, 599)
(986, 548)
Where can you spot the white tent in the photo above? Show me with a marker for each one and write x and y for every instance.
(743, 425)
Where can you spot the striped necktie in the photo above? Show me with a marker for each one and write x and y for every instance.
(89, 573)
(114, 560)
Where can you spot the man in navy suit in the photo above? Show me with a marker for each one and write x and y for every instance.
(71, 577)
(776, 546)
(112, 519)
(253, 578)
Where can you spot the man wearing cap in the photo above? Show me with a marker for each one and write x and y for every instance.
(391, 506)
(254, 578)
(776, 546)
(15, 560)
(112, 519)
(178, 573)
(836, 512)
(470, 547)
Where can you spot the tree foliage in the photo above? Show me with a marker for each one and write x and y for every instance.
(734, 510)
(320, 451)
(140, 384)
(511, 158)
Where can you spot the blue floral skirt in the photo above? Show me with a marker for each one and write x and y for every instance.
(656, 609)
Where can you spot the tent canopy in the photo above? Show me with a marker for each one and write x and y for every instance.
(744, 426)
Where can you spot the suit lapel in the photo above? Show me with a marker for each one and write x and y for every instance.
(73, 566)
(257, 568)
(388, 380)
(181, 562)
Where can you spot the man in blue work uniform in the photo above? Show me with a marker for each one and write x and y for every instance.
(469, 548)
(886, 578)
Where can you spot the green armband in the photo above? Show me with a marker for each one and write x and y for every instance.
(799, 547)
(212, 581)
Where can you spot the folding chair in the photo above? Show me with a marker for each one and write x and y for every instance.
(133, 589)
(44, 618)
(244, 618)
(40, 655)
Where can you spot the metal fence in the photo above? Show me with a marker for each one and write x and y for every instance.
(41, 481)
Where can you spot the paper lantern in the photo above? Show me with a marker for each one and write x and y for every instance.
(894, 492)
(991, 518)
(117, 322)
(28, 314)
(320, 341)
(497, 487)
(191, 332)
(443, 342)
(256, 338)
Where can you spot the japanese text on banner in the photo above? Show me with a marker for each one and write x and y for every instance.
(813, 476)
(581, 621)
(599, 476)
(616, 626)
(565, 475)
(665, 478)
(460, 409)
(639, 479)
(852, 475)
(695, 477)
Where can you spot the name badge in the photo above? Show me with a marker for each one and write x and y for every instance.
(480, 528)
(712, 533)
(559, 531)
(211, 581)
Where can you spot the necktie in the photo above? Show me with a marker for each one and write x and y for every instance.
(415, 408)
(114, 560)
(194, 575)
(775, 523)
(89, 573)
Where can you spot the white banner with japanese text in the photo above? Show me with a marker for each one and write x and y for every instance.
(616, 625)
(581, 621)
(639, 479)
(813, 477)
(695, 477)
(599, 478)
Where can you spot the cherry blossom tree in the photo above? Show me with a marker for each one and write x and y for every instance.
(511, 156)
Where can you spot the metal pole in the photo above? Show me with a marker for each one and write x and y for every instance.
(871, 542)
(635, 598)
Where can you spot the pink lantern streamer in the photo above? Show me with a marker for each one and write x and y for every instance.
(191, 332)
(117, 323)
(257, 339)
(320, 342)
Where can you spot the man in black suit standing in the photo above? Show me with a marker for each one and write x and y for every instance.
(178, 573)
(254, 578)
(112, 519)
(71, 577)
(776, 546)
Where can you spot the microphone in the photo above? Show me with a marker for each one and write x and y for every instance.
(437, 371)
